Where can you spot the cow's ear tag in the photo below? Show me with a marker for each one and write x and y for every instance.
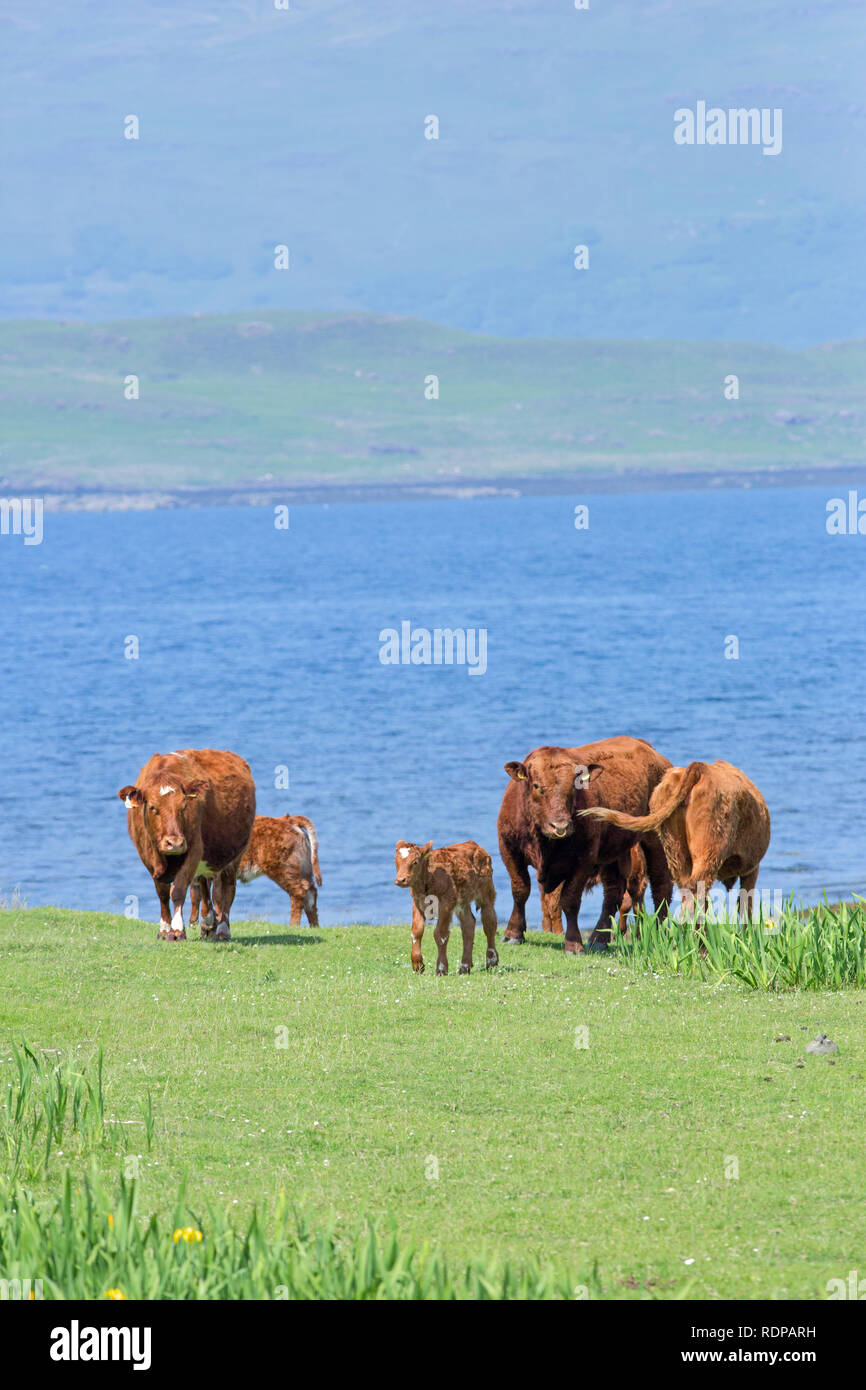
(582, 779)
(129, 803)
(521, 776)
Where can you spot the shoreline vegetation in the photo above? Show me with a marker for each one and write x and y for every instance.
(300, 407)
(292, 493)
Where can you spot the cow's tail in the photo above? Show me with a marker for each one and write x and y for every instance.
(310, 831)
(640, 824)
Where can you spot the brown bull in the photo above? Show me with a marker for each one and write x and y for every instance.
(540, 826)
(713, 824)
(190, 814)
(442, 880)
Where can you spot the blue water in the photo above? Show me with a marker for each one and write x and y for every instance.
(267, 642)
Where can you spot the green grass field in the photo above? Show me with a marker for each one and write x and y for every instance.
(228, 400)
(315, 1064)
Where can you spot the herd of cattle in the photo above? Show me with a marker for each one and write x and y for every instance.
(614, 812)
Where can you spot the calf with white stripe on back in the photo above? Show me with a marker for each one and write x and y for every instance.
(286, 849)
(190, 815)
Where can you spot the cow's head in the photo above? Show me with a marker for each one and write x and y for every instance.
(555, 788)
(170, 808)
(407, 859)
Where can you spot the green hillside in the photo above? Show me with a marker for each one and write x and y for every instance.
(300, 397)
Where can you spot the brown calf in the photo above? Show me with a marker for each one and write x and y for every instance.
(190, 815)
(286, 849)
(442, 880)
(713, 824)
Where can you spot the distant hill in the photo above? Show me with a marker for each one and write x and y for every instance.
(301, 397)
(305, 126)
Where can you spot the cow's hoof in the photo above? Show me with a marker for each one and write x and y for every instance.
(464, 969)
(573, 948)
(177, 935)
(492, 960)
(599, 946)
(513, 940)
(162, 934)
(222, 932)
(207, 932)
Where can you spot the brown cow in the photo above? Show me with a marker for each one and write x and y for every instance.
(190, 814)
(440, 880)
(540, 825)
(713, 824)
(287, 850)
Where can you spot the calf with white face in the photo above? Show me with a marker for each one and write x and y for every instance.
(442, 880)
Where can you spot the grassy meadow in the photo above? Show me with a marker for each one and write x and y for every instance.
(238, 399)
(621, 1124)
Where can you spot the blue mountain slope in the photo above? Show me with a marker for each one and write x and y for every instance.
(306, 127)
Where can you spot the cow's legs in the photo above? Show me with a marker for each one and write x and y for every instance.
(696, 889)
(466, 917)
(441, 932)
(199, 899)
(551, 913)
(572, 892)
(488, 922)
(659, 874)
(417, 934)
(177, 931)
(224, 885)
(311, 906)
(199, 895)
(614, 884)
(163, 892)
(297, 909)
(747, 886)
(515, 865)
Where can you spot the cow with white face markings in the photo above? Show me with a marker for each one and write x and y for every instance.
(190, 814)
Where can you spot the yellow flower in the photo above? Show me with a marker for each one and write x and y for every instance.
(187, 1233)
(116, 1294)
(110, 1219)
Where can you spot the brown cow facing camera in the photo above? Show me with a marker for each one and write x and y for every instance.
(190, 814)
(286, 849)
(442, 880)
(540, 825)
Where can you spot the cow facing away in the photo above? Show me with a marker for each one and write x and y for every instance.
(713, 824)
(190, 814)
(442, 880)
(286, 849)
(540, 826)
